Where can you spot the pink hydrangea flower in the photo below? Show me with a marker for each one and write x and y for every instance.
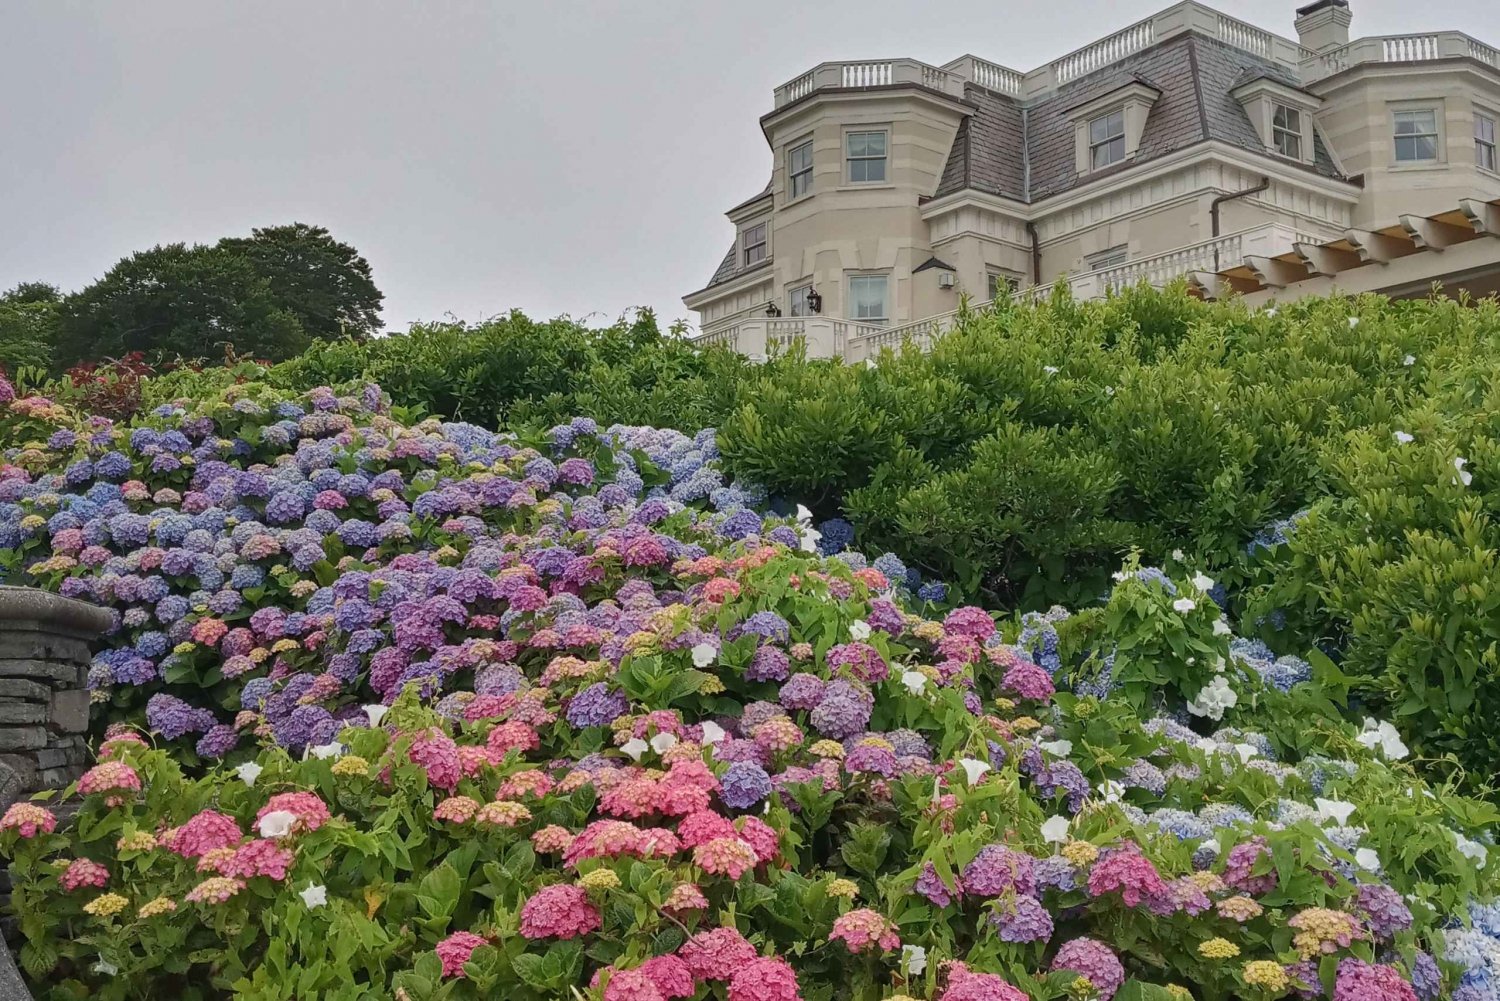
(112, 778)
(215, 890)
(312, 812)
(83, 872)
(438, 755)
(760, 836)
(1130, 872)
(671, 976)
(261, 857)
(716, 954)
(1361, 981)
(685, 897)
(765, 979)
(631, 985)
(1238, 868)
(864, 929)
(207, 830)
(703, 826)
(964, 985)
(725, 857)
(28, 819)
(456, 809)
(455, 950)
(558, 911)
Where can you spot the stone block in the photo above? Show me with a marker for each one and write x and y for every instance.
(70, 711)
(50, 757)
(36, 645)
(22, 738)
(66, 674)
(16, 713)
(20, 688)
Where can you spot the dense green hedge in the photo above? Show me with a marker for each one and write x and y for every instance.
(1031, 449)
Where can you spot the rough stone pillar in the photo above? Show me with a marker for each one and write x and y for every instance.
(44, 706)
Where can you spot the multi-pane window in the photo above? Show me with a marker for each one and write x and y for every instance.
(755, 244)
(1106, 139)
(866, 154)
(799, 164)
(1416, 135)
(867, 298)
(997, 280)
(1286, 131)
(1484, 141)
(796, 301)
(1113, 257)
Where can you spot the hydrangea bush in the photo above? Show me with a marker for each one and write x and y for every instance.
(580, 720)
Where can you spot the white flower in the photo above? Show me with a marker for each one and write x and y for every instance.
(323, 751)
(1404, 438)
(1207, 745)
(1057, 748)
(1465, 477)
(870, 363)
(1335, 810)
(974, 769)
(1366, 858)
(1219, 665)
(1384, 736)
(1215, 697)
(1353, 322)
(1119, 576)
(1409, 360)
(914, 681)
(804, 516)
(810, 539)
(712, 732)
(1202, 581)
(635, 747)
(1050, 369)
(277, 824)
(249, 772)
(704, 654)
(1212, 844)
(1055, 829)
(1472, 850)
(1111, 791)
(105, 967)
(1246, 751)
(1270, 310)
(316, 895)
(1109, 391)
(375, 713)
(1177, 555)
(663, 742)
(1184, 605)
(914, 958)
(1221, 628)
(859, 629)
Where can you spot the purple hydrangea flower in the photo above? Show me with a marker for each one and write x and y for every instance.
(744, 784)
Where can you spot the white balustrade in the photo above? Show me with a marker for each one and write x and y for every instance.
(1245, 36)
(1103, 52)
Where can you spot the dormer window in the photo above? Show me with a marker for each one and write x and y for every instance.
(1108, 129)
(1286, 131)
(1107, 139)
(755, 244)
(1282, 116)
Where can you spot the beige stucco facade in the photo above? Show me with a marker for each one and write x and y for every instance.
(1320, 161)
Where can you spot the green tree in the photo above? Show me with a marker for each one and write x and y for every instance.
(28, 320)
(177, 301)
(325, 284)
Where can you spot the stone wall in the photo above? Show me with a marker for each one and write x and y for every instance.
(44, 706)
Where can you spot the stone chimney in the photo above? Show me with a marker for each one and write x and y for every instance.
(1323, 25)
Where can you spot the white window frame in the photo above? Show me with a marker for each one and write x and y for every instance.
(992, 278)
(1109, 140)
(1397, 113)
(793, 295)
(884, 159)
(764, 243)
(792, 175)
(1486, 152)
(1111, 258)
(858, 277)
(1287, 139)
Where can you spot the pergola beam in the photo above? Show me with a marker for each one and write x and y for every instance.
(1275, 272)
(1432, 234)
(1484, 217)
(1378, 248)
(1321, 260)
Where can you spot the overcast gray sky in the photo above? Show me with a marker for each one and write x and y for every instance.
(560, 157)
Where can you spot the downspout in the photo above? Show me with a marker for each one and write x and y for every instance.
(1213, 209)
(1036, 243)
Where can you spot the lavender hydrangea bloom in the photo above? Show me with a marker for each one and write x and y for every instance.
(744, 784)
(843, 711)
(174, 718)
(1022, 919)
(1384, 910)
(596, 705)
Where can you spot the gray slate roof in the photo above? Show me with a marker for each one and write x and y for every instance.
(1026, 151)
